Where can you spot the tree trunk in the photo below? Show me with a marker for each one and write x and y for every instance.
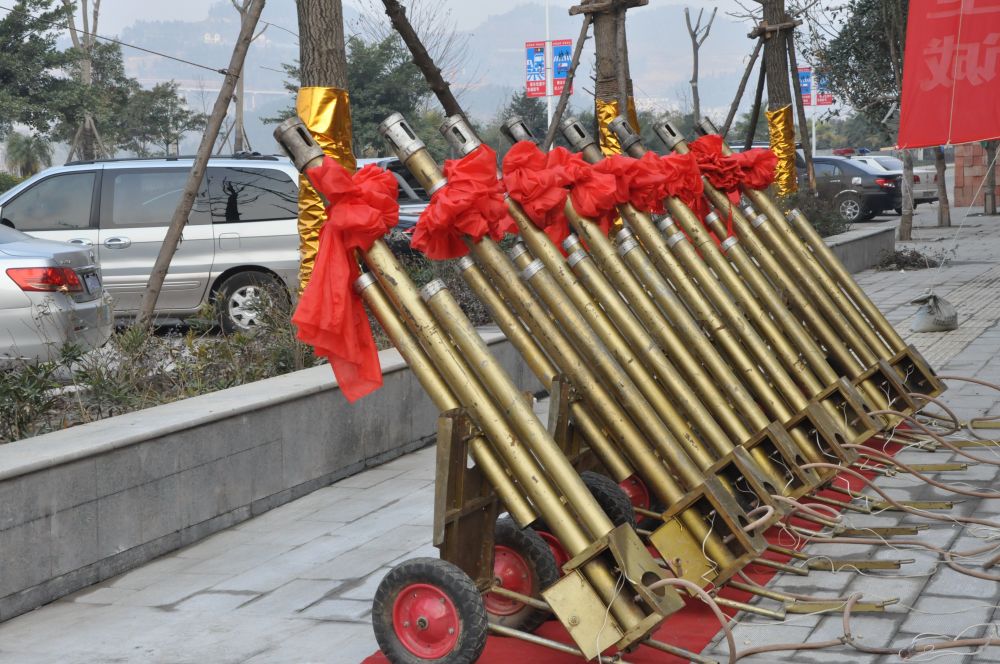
(801, 109)
(238, 139)
(779, 93)
(606, 55)
(322, 58)
(180, 218)
(906, 220)
(421, 58)
(944, 208)
(990, 187)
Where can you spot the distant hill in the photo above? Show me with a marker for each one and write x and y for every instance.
(659, 53)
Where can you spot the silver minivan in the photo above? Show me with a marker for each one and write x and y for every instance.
(241, 234)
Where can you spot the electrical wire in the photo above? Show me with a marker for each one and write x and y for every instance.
(217, 70)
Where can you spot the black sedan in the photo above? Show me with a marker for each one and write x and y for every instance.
(859, 191)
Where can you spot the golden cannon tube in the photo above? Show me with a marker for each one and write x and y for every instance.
(518, 457)
(536, 358)
(797, 240)
(442, 396)
(679, 262)
(835, 332)
(419, 162)
(758, 281)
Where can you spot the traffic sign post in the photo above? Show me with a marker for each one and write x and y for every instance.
(535, 74)
(562, 55)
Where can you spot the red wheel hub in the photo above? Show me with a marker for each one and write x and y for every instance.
(558, 552)
(425, 620)
(636, 491)
(510, 571)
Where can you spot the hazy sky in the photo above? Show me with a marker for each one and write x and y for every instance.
(118, 14)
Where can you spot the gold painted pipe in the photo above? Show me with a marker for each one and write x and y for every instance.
(585, 416)
(443, 397)
(649, 351)
(837, 341)
(592, 328)
(519, 458)
(577, 365)
(658, 326)
(496, 424)
(827, 269)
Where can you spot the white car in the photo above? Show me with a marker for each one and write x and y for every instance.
(51, 294)
(924, 177)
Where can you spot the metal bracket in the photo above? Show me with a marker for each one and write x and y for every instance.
(465, 505)
(916, 373)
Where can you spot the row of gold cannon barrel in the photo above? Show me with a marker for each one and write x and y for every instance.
(575, 322)
(639, 418)
(613, 594)
(858, 340)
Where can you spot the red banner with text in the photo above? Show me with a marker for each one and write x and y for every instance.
(950, 73)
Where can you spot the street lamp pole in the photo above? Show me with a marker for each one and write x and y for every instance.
(549, 69)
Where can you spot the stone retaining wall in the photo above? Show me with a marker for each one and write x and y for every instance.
(82, 505)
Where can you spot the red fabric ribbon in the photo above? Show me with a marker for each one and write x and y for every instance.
(758, 167)
(539, 181)
(752, 168)
(471, 204)
(330, 316)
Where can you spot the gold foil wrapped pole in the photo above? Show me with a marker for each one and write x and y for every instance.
(782, 131)
(326, 112)
(606, 111)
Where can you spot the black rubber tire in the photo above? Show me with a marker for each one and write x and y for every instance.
(459, 589)
(533, 550)
(850, 208)
(611, 497)
(233, 319)
(899, 210)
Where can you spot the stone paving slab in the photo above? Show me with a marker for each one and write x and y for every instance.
(295, 585)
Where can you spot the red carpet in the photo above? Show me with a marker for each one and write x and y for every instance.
(691, 628)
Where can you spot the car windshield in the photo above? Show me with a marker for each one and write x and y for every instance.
(889, 163)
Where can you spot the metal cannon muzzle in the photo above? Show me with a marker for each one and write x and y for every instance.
(396, 131)
(627, 136)
(668, 133)
(515, 129)
(296, 141)
(706, 126)
(576, 134)
(459, 134)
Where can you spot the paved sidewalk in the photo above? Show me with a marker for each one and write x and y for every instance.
(295, 585)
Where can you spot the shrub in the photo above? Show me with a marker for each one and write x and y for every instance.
(820, 212)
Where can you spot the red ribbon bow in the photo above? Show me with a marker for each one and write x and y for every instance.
(330, 316)
(471, 204)
(538, 181)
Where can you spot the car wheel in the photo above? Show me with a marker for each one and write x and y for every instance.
(849, 207)
(240, 297)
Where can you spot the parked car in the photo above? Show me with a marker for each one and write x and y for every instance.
(241, 235)
(924, 177)
(51, 294)
(858, 191)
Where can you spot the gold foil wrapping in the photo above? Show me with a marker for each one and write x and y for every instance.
(606, 111)
(782, 131)
(327, 114)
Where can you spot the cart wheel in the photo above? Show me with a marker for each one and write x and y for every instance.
(611, 497)
(428, 610)
(555, 547)
(522, 562)
(636, 491)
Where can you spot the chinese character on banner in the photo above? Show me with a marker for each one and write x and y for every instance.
(562, 55)
(534, 68)
(951, 68)
(805, 85)
(823, 95)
